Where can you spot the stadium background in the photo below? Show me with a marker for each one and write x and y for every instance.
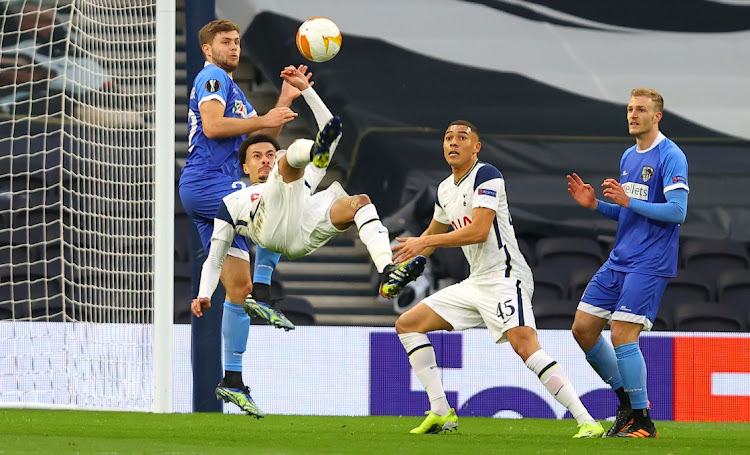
(546, 83)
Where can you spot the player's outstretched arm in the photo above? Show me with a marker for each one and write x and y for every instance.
(672, 211)
(211, 270)
(423, 245)
(293, 76)
(296, 79)
(290, 91)
(216, 126)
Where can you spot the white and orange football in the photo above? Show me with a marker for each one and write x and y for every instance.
(318, 39)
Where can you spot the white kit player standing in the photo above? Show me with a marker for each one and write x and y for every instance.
(497, 292)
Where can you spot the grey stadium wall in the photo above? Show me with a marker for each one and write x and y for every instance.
(546, 83)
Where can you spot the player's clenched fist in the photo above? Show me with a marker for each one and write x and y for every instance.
(199, 305)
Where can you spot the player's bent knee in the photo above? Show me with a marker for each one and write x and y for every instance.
(358, 201)
(414, 321)
(625, 332)
(585, 336)
(364, 199)
(524, 341)
(404, 324)
(237, 293)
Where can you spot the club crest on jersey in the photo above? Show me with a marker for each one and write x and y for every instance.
(484, 191)
(213, 85)
(239, 109)
(646, 173)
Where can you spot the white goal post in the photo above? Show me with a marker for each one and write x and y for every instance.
(87, 182)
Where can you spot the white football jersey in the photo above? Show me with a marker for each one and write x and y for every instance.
(499, 256)
(242, 205)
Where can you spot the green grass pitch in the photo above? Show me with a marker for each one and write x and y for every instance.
(57, 432)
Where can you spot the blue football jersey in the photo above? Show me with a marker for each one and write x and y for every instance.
(644, 245)
(208, 156)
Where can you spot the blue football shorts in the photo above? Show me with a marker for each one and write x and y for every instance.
(201, 200)
(626, 296)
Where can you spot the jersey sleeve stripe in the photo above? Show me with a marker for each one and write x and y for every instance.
(212, 97)
(676, 186)
(485, 173)
(222, 213)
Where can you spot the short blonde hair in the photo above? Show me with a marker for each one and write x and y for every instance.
(210, 30)
(652, 94)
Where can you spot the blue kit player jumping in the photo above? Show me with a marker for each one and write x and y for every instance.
(650, 203)
(219, 118)
(284, 214)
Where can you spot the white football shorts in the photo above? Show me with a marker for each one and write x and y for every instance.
(292, 222)
(501, 305)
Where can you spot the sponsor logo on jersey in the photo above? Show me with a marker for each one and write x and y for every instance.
(239, 109)
(679, 179)
(487, 192)
(458, 224)
(213, 85)
(624, 172)
(636, 190)
(646, 173)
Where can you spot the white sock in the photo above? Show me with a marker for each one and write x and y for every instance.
(422, 359)
(374, 235)
(298, 154)
(554, 379)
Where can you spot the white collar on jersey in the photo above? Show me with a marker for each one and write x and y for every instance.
(656, 142)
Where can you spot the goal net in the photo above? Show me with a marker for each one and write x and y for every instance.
(78, 216)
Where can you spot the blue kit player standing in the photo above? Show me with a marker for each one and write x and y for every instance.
(497, 292)
(219, 117)
(650, 203)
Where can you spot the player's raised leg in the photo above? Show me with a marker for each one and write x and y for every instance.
(396, 276)
(303, 151)
(359, 210)
(325, 143)
(260, 304)
(274, 316)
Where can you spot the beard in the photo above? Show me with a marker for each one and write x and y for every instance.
(225, 65)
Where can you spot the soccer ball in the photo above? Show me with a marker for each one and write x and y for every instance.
(318, 39)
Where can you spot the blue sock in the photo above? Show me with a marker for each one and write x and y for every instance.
(602, 358)
(235, 326)
(265, 262)
(632, 366)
